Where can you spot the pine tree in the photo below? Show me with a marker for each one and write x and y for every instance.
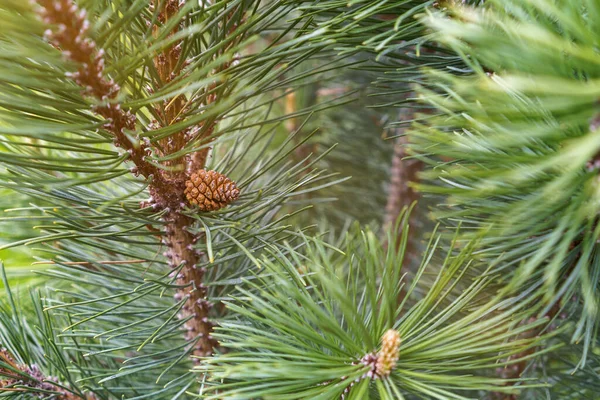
(171, 166)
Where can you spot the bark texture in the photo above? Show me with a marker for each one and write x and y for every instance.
(403, 172)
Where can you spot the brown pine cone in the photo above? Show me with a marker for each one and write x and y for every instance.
(210, 190)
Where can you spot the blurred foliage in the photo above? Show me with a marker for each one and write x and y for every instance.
(513, 150)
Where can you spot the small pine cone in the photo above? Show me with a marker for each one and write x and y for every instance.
(388, 356)
(210, 190)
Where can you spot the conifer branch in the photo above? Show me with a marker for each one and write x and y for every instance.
(68, 31)
(399, 193)
(181, 251)
(197, 160)
(179, 240)
(315, 335)
(169, 65)
(402, 195)
(503, 141)
(15, 377)
(403, 172)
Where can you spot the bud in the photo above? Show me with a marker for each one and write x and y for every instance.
(388, 355)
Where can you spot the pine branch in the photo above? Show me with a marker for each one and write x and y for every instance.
(567, 379)
(169, 65)
(179, 240)
(404, 172)
(17, 378)
(68, 30)
(312, 325)
(514, 150)
(166, 188)
(182, 252)
(400, 194)
(514, 373)
(25, 355)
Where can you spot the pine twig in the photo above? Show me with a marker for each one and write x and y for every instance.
(181, 251)
(179, 240)
(68, 31)
(515, 371)
(403, 172)
(29, 379)
(197, 160)
(401, 195)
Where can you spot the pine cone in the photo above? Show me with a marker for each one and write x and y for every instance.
(210, 190)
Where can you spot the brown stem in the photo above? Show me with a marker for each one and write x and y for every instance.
(515, 371)
(180, 241)
(32, 378)
(169, 65)
(403, 172)
(197, 160)
(401, 195)
(69, 33)
(196, 308)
